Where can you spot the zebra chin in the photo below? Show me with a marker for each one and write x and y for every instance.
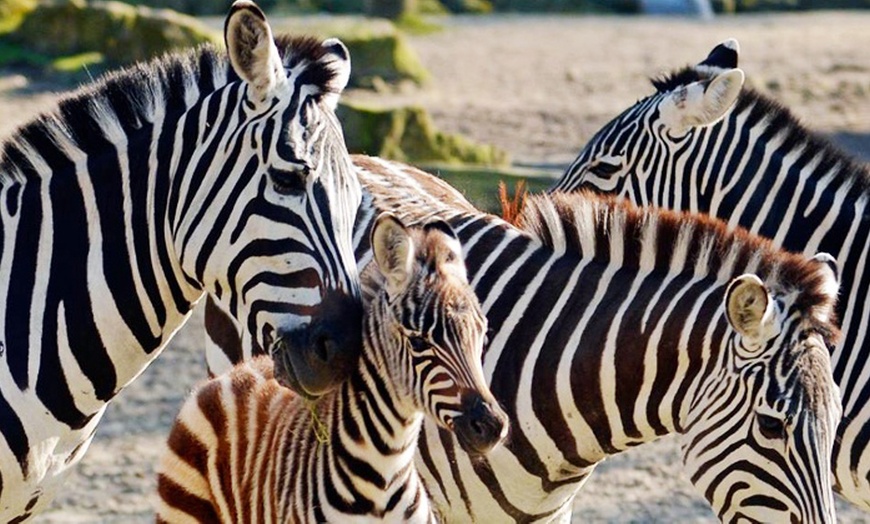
(314, 359)
(482, 426)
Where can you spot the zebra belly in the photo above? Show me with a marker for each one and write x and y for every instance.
(27, 489)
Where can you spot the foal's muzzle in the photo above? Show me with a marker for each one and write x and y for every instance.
(482, 425)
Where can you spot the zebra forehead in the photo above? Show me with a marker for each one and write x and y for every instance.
(812, 374)
(675, 79)
(296, 50)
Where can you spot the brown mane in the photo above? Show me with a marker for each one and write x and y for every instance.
(695, 243)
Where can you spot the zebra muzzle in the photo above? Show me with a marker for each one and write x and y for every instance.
(481, 426)
(315, 358)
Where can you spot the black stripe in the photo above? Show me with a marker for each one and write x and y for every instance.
(22, 280)
(13, 432)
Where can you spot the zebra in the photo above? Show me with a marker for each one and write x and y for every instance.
(755, 167)
(194, 173)
(611, 326)
(244, 449)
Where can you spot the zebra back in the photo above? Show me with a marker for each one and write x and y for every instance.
(761, 169)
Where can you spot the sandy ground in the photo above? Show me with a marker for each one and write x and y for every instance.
(538, 87)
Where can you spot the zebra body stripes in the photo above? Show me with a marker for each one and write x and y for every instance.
(245, 450)
(609, 329)
(139, 194)
(757, 168)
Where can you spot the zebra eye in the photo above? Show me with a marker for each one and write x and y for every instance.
(418, 343)
(289, 182)
(605, 169)
(771, 427)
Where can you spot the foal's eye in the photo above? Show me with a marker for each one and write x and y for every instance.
(771, 427)
(605, 169)
(290, 181)
(418, 343)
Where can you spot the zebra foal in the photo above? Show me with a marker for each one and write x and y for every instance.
(738, 155)
(198, 173)
(243, 449)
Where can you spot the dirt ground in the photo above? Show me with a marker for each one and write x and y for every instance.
(537, 87)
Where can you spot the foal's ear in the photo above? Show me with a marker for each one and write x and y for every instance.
(252, 50)
(749, 308)
(393, 252)
(829, 276)
(701, 103)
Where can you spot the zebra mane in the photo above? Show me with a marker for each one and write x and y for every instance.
(831, 158)
(127, 99)
(658, 240)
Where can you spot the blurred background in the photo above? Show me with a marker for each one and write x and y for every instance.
(476, 91)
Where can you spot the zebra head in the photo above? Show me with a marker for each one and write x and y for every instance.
(759, 438)
(622, 157)
(433, 310)
(265, 227)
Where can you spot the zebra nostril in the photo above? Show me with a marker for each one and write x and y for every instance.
(321, 348)
(478, 428)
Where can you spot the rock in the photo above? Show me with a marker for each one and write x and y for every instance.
(407, 134)
(121, 32)
(12, 12)
(377, 48)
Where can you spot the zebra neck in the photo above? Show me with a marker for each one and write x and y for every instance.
(762, 149)
(380, 423)
(89, 185)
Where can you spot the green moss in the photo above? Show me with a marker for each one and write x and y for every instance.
(76, 63)
(121, 32)
(12, 12)
(15, 55)
(407, 134)
(414, 24)
(480, 185)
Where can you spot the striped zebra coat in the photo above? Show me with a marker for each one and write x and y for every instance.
(608, 329)
(243, 449)
(757, 167)
(191, 174)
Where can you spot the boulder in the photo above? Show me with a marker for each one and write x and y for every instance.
(408, 134)
(12, 12)
(379, 52)
(121, 32)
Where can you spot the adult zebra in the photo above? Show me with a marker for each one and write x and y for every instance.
(760, 169)
(140, 193)
(609, 329)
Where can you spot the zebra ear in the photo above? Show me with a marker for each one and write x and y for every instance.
(450, 250)
(830, 280)
(393, 252)
(252, 49)
(701, 103)
(748, 307)
(337, 59)
(722, 58)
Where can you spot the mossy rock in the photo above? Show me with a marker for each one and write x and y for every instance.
(407, 134)
(377, 49)
(12, 12)
(121, 32)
